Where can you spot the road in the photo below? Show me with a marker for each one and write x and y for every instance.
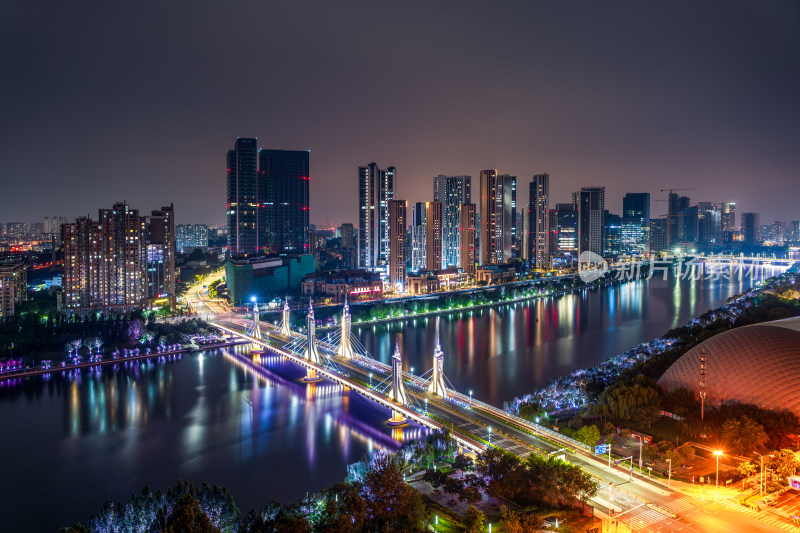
(638, 503)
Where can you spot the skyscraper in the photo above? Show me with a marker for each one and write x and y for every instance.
(709, 225)
(397, 243)
(452, 192)
(418, 219)
(612, 235)
(675, 222)
(635, 223)
(375, 190)
(591, 211)
(284, 200)
(750, 225)
(348, 236)
(497, 212)
(160, 243)
(539, 235)
(658, 235)
(243, 210)
(467, 239)
(433, 235)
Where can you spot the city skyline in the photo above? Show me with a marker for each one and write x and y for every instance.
(635, 109)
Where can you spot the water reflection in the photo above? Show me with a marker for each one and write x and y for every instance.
(95, 435)
(507, 351)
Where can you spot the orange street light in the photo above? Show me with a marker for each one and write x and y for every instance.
(717, 453)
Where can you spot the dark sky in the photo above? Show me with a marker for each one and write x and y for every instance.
(104, 101)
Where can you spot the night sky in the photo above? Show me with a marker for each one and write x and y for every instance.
(105, 101)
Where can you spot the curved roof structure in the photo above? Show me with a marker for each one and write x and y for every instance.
(757, 364)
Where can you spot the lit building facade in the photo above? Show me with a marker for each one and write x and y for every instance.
(635, 223)
(538, 237)
(497, 217)
(285, 175)
(397, 244)
(591, 211)
(467, 230)
(121, 262)
(190, 237)
(244, 187)
(452, 192)
(433, 235)
(376, 188)
(658, 235)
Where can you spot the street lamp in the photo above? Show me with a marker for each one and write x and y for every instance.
(761, 480)
(490, 434)
(370, 380)
(640, 451)
(470, 398)
(717, 453)
(669, 480)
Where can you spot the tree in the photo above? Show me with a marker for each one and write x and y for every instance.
(453, 486)
(474, 520)
(390, 503)
(469, 494)
(186, 517)
(463, 463)
(436, 478)
(743, 434)
(747, 469)
(588, 435)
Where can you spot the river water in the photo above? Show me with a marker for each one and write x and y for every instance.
(71, 442)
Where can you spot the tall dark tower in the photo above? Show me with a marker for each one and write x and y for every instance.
(243, 198)
(284, 228)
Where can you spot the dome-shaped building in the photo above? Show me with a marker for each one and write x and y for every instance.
(757, 364)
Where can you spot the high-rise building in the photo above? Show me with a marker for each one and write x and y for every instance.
(750, 224)
(635, 223)
(675, 224)
(612, 235)
(728, 216)
(497, 213)
(190, 237)
(658, 235)
(793, 231)
(245, 186)
(160, 262)
(538, 219)
(285, 201)
(348, 236)
(591, 211)
(13, 285)
(122, 261)
(709, 225)
(778, 232)
(690, 218)
(16, 231)
(433, 235)
(418, 228)
(452, 192)
(467, 230)
(375, 190)
(397, 244)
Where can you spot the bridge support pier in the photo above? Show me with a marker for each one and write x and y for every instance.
(437, 386)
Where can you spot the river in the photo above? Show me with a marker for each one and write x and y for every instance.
(72, 442)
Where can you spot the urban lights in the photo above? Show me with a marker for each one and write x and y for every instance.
(717, 453)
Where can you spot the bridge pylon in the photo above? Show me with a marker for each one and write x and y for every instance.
(437, 385)
(311, 346)
(345, 349)
(256, 321)
(398, 391)
(285, 325)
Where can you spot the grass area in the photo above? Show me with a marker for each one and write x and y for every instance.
(449, 522)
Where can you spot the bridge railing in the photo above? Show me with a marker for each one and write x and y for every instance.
(524, 423)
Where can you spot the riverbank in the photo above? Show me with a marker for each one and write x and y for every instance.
(103, 361)
(652, 358)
